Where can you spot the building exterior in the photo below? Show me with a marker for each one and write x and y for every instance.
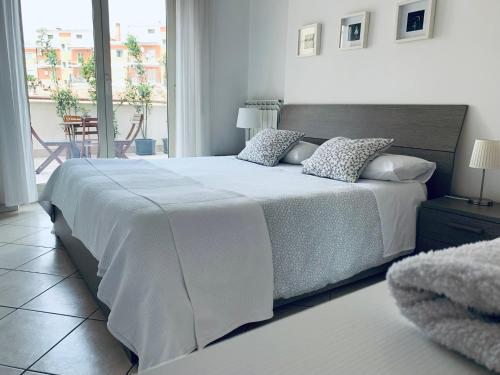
(74, 46)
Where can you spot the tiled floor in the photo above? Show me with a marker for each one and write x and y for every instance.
(49, 322)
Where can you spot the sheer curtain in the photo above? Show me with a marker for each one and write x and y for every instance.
(17, 174)
(192, 78)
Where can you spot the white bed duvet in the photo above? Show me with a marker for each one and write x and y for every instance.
(184, 245)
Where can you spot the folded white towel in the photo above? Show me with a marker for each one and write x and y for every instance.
(453, 295)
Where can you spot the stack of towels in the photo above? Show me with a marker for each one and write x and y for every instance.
(454, 297)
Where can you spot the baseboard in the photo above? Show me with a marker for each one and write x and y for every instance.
(4, 209)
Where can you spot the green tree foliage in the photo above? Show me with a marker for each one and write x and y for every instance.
(87, 69)
(32, 82)
(138, 92)
(67, 102)
(44, 42)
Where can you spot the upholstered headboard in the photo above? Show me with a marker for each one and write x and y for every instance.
(426, 131)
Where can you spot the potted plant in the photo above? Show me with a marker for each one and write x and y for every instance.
(139, 93)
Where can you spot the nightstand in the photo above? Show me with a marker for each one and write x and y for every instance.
(446, 222)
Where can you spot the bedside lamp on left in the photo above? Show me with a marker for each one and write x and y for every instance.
(249, 118)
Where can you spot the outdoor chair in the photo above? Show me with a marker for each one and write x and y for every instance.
(121, 146)
(54, 148)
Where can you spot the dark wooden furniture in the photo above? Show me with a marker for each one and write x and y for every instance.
(447, 222)
(426, 131)
(121, 146)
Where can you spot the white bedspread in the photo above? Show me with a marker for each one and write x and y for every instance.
(181, 264)
(321, 231)
(397, 201)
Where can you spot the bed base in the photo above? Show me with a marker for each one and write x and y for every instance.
(87, 266)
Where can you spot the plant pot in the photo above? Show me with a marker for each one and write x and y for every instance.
(165, 146)
(145, 146)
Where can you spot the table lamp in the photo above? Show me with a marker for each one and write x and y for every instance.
(249, 118)
(486, 155)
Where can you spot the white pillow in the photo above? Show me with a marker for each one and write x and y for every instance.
(300, 152)
(388, 167)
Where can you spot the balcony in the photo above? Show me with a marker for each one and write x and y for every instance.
(47, 124)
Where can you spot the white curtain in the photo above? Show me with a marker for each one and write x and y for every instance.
(17, 174)
(192, 78)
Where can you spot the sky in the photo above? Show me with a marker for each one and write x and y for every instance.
(77, 14)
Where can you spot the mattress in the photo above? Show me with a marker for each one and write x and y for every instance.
(301, 211)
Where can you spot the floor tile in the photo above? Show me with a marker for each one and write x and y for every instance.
(2, 271)
(17, 288)
(55, 262)
(5, 311)
(8, 217)
(40, 238)
(11, 233)
(27, 335)
(13, 256)
(69, 297)
(34, 220)
(89, 349)
(10, 371)
(98, 315)
(34, 207)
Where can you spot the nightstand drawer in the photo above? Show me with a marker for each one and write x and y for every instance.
(455, 229)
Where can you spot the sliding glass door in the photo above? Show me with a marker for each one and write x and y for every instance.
(138, 54)
(96, 73)
(58, 45)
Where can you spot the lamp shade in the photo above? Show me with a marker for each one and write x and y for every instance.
(486, 154)
(249, 118)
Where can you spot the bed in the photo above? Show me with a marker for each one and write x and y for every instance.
(381, 342)
(240, 237)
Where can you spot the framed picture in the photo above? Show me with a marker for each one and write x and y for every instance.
(414, 20)
(354, 30)
(309, 40)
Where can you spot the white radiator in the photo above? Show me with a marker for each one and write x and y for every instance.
(270, 111)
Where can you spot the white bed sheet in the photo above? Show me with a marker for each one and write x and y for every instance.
(397, 201)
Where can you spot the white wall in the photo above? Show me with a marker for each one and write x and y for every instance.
(267, 49)
(229, 73)
(460, 65)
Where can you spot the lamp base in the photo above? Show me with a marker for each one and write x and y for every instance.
(481, 202)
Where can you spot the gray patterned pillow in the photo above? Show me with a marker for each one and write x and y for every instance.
(344, 159)
(269, 146)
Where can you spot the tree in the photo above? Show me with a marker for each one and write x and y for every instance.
(138, 93)
(33, 82)
(88, 73)
(66, 100)
(44, 42)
